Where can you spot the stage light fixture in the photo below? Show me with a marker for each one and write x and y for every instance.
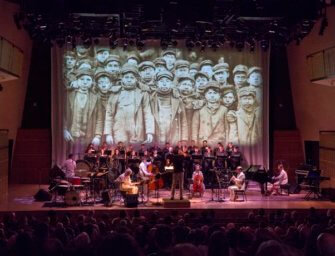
(164, 44)
(140, 44)
(324, 24)
(96, 41)
(239, 45)
(264, 45)
(189, 43)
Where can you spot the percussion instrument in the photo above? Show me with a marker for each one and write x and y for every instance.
(62, 189)
(83, 168)
(75, 181)
(72, 198)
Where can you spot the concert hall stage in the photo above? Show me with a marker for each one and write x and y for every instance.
(21, 199)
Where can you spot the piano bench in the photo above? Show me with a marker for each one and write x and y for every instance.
(285, 187)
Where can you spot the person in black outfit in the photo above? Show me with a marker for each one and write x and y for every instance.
(178, 174)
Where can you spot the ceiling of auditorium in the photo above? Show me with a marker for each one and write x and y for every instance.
(213, 21)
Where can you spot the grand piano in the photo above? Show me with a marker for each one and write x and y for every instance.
(259, 174)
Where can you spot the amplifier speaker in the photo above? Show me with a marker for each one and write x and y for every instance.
(131, 201)
(42, 195)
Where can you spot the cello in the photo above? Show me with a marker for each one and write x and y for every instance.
(156, 181)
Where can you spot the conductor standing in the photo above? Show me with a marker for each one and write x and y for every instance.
(178, 174)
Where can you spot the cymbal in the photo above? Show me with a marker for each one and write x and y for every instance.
(81, 172)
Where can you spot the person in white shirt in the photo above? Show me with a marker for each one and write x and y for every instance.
(144, 175)
(238, 181)
(280, 178)
(69, 166)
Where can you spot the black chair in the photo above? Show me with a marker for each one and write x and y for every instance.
(242, 192)
(285, 187)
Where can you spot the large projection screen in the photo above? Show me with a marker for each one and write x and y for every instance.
(156, 95)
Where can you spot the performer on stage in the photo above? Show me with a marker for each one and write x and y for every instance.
(69, 166)
(178, 174)
(90, 149)
(238, 181)
(280, 178)
(198, 181)
(144, 175)
(126, 185)
(143, 172)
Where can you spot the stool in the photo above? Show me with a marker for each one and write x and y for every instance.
(285, 187)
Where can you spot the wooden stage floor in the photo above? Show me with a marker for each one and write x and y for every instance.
(21, 198)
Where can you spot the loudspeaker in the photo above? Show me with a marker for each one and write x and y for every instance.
(42, 195)
(312, 152)
(106, 198)
(131, 201)
(295, 189)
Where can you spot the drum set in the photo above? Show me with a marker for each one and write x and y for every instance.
(92, 176)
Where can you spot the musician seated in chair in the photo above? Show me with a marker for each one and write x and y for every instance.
(69, 166)
(198, 181)
(238, 181)
(279, 179)
(126, 185)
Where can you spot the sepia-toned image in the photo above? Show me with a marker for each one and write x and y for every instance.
(158, 96)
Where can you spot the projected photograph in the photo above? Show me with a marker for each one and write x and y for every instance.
(158, 96)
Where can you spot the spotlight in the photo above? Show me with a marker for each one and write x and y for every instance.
(113, 43)
(60, 42)
(189, 44)
(87, 42)
(140, 44)
(125, 44)
(164, 44)
(96, 41)
(265, 45)
(174, 43)
(198, 43)
(239, 45)
(131, 42)
(17, 20)
(324, 24)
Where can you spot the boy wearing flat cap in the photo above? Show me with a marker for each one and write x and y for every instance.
(255, 80)
(188, 96)
(194, 67)
(128, 115)
(229, 98)
(160, 65)
(113, 66)
(169, 56)
(208, 123)
(69, 69)
(147, 73)
(221, 75)
(101, 55)
(168, 111)
(240, 73)
(81, 113)
(248, 119)
(103, 88)
(133, 59)
(182, 68)
(206, 66)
